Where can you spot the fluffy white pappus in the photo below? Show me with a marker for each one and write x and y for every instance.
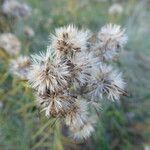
(109, 55)
(84, 132)
(69, 40)
(82, 66)
(47, 73)
(111, 38)
(20, 66)
(107, 81)
(77, 117)
(55, 105)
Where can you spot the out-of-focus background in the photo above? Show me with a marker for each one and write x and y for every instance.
(123, 126)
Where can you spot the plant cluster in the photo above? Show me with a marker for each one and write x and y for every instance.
(75, 74)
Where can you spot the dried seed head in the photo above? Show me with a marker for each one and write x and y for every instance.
(77, 116)
(15, 9)
(55, 105)
(84, 132)
(47, 73)
(111, 38)
(69, 40)
(20, 66)
(78, 120)
(10, 44)
(81, 69)
(107, 82)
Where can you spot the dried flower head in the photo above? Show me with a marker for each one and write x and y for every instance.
(80, 70)
(77, 116)
(111, 38)
(10, 44)
(84, 132)
(78, 120)
(107, 81)
(20, 66)
(56, 104)
(47, 73)
(15, 9)
(69, 40)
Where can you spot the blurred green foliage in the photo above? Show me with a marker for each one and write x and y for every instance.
(124, 125)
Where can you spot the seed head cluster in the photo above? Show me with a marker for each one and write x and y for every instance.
(74, 73)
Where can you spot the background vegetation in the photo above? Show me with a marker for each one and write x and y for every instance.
(123, 126)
